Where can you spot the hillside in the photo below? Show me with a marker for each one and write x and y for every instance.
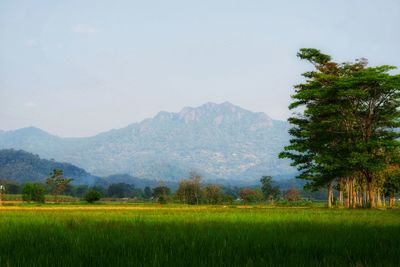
(221, 141)
(24, 167)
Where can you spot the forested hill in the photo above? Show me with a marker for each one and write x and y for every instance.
(24, 167)
(21, 166)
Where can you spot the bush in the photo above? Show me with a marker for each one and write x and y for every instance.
(33, 192)
(92, 196)
(250, 196)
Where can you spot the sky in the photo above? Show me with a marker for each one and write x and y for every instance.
(77, 68)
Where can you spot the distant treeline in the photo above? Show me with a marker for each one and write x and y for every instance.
(189, 191)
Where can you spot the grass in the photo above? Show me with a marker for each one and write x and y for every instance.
(177, 235)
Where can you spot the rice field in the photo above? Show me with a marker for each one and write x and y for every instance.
(179, 235)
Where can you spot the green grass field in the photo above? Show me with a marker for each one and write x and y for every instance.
(173, 235)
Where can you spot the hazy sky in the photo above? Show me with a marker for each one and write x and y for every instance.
(76, 68)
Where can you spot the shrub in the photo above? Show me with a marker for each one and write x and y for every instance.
(33, 192)
(249, 195)
(92, 196)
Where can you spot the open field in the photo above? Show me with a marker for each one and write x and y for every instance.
(177, 235)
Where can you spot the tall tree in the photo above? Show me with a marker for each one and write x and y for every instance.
(189, 190)
(346, 127)
(270, 192)
(161, 194)
(213, 194)
(57, 183)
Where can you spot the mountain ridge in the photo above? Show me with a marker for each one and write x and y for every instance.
(221, 141)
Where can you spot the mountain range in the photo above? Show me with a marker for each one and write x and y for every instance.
(220, 141)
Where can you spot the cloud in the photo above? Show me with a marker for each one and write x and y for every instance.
(79, 28)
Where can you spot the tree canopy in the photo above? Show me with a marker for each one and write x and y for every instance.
(347, 124)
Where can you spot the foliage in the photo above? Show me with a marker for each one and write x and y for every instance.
(250, 195)
(213, 194)
(270, 192)
(57, 182)
(92, 196)
(147, 193)
(79, 190)
(120, 190)
(161, 194)
(33, 192)
(347, 125)
(189, 190)
(292, 195)
(22, 167)
(11, 186)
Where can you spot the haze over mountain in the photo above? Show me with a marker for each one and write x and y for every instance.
(221, 141)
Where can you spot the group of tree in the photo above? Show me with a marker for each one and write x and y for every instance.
(190, 191)
(56, 183)
(345, 133)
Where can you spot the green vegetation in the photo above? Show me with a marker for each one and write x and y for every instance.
(23, 167)
(161, 194)
(92, 196)
(177, 235)
(33, 192)
(249, 195)
(57, 183)
(269, 191)
(347, 135)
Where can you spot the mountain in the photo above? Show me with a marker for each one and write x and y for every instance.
(221, 141)
(24, 167)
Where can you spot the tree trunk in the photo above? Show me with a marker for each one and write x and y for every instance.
(371, 194)
(347, 193)
(391, 200)
(357, 198)
(354, 199)
(353, 195)
(330, 193)
(371, 190)
(341, 198)
(378, 197)
(364, 198)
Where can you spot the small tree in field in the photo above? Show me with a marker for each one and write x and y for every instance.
(213, 194)
(161, 194)
(270, 192)
(33, 192)
(92, 196)
(250, 195)
(292, 195)
(57, 183)
(189, 190)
